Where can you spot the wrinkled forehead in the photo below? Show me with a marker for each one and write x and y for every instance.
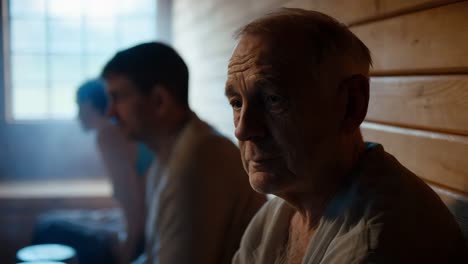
(251, 50)
(286, 53)
(289, 63)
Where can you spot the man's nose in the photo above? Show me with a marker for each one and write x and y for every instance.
(250, 125)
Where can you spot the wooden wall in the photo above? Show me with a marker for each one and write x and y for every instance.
(419, 85)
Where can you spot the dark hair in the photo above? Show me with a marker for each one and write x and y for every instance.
(149, 64)
(93, 91)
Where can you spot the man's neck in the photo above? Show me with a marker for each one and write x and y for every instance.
(165, 142)
(310, 205)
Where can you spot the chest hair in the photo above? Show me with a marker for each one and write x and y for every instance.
(299, 238)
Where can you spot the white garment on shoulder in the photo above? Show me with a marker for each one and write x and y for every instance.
(156, 183)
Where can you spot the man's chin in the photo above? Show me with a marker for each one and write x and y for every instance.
(264, 182)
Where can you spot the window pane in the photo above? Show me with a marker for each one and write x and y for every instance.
(30, 8)
(28, 35)
(28, 67)
(65, 36)
(136, 30)
(62, 97)
(64, 8)
(29, 103)
(57, 44)
(101, 35)
(94, 65)
(66, 67)
(137, 7)
(30, 84)
(101, 8)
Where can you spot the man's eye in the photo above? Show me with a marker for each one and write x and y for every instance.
(275, 103)
(236, 104)
(273, 100)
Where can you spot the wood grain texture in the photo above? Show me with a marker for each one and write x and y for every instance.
(436, 157)
(437, 103)
(359, 11)
(222, 15)
(431, 41)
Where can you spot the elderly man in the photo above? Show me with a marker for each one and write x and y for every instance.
(199, 201)
(298, 84)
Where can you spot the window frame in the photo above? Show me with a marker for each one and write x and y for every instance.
(34, 150)
(162, 33)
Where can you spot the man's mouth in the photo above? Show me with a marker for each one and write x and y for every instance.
(263, 159)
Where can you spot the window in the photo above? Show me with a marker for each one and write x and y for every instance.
(55, 45)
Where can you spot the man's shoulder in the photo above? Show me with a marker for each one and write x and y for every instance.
(386, 185)
(214, 148)
(198, 141)
(402, 214)
(206, 138)
(207, 159)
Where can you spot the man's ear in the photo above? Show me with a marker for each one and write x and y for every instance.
(160, 99)
(357, 100)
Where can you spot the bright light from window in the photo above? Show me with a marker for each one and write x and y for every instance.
(55, 45)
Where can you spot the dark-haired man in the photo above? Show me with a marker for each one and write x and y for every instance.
(198, 197)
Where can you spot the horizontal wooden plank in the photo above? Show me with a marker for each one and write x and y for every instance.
(436, 157)
(224, 20)
(189, 13)
(437, 103)
(359, 11)
(344, 10)
(457, 204)
(432, 41)
(229, 15)
(186, 13)
(207, 46)
(210, 37)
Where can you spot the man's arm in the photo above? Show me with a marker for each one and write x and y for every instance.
(119, 157)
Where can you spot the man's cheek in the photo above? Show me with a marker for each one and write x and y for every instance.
(243, 156)
(245, 164)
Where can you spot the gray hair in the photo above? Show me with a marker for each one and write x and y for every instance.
(326, 36)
